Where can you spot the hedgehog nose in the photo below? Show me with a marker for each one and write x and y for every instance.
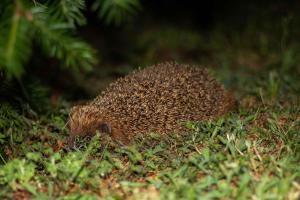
(105, 128)
(71, 141)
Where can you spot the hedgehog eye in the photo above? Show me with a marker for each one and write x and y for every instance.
(104, 128)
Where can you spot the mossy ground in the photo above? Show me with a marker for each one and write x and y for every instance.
(252, 153)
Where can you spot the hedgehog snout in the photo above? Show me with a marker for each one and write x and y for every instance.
(104, 128)
(90, 131)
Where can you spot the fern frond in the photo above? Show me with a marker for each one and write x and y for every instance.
(116, 11)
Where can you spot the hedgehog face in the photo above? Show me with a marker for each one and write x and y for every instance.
(84, 122)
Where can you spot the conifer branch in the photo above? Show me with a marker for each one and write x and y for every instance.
(116, 11)
(15, 44)
(68, 10)
(57, 40)
(13, 33)
(53, 24)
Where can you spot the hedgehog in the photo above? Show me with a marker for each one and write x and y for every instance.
(154, 99)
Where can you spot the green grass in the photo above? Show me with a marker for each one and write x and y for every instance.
(252, 153)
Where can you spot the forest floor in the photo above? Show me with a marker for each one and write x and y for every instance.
(252, 153)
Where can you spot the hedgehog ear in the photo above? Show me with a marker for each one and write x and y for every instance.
(104, 128)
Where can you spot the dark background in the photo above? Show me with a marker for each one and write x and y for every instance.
(235, 35)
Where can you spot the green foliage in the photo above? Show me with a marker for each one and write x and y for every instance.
(230, 158)
(116, 11)
(25, 22)
(52, 25)
(15, 40)
(12, 124)
(37, 96)
(68, 10)
(17, 172)
(235, 157)
(55, 41)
